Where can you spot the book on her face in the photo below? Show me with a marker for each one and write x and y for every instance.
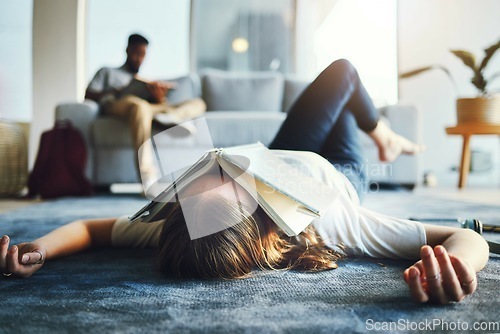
(291, 198)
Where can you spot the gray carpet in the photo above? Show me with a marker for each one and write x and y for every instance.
(110, 291)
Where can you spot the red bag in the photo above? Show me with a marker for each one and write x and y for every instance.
(60, 164)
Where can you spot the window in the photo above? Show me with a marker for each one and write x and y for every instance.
(364, 32)
(244, 35)
(165, 23)
(15, 59)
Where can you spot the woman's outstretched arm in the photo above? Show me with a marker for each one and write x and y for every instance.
(448, 265)
(24, 259)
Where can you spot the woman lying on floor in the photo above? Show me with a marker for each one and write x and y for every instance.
(319, 133)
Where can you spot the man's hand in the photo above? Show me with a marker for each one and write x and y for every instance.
(20, 260)
(159, 90)
(440, 277)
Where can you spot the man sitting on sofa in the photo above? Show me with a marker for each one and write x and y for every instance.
(109, 87)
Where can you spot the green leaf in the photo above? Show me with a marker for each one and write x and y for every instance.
(415, 72)
(479, 82)
(489, 52)
(418, 71)
(468, 58)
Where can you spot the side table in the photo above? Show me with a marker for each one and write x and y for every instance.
(466, 131)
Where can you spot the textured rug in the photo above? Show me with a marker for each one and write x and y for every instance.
(119, 291)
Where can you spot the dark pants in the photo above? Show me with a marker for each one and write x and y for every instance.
(325, 119)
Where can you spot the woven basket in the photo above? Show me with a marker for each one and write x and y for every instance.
(484, 110)
(13, 159)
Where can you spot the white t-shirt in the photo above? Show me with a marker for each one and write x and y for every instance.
(109, 78)
(346, 223)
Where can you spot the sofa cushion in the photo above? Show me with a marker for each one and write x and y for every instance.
(238, 128)
(228, 129)
(186, 88)
(110, 131)
(293, 89)
(256, 91)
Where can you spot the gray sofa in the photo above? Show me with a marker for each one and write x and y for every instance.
(242, 108)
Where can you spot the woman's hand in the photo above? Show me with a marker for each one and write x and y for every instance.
(20, 260)
(440, 277)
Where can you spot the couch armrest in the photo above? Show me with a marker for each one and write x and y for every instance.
(81, 115)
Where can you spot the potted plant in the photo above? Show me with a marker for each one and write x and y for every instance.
(483, 108)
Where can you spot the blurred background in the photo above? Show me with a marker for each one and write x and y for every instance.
(52, 48)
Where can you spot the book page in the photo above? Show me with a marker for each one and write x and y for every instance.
(283, 209)
(154, 209)
(262, 164)
(286, 213)
(138, 88)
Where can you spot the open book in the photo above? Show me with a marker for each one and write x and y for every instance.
(137, 87)
(291, 198)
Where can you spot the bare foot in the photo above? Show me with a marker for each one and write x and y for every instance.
(391, 145)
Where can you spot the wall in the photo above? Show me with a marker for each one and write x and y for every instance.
(309, 17)
(58, 67)
(363, 31)
(15, 62)
(427, 30)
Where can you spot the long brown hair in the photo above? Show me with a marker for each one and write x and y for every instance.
(250, 241)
